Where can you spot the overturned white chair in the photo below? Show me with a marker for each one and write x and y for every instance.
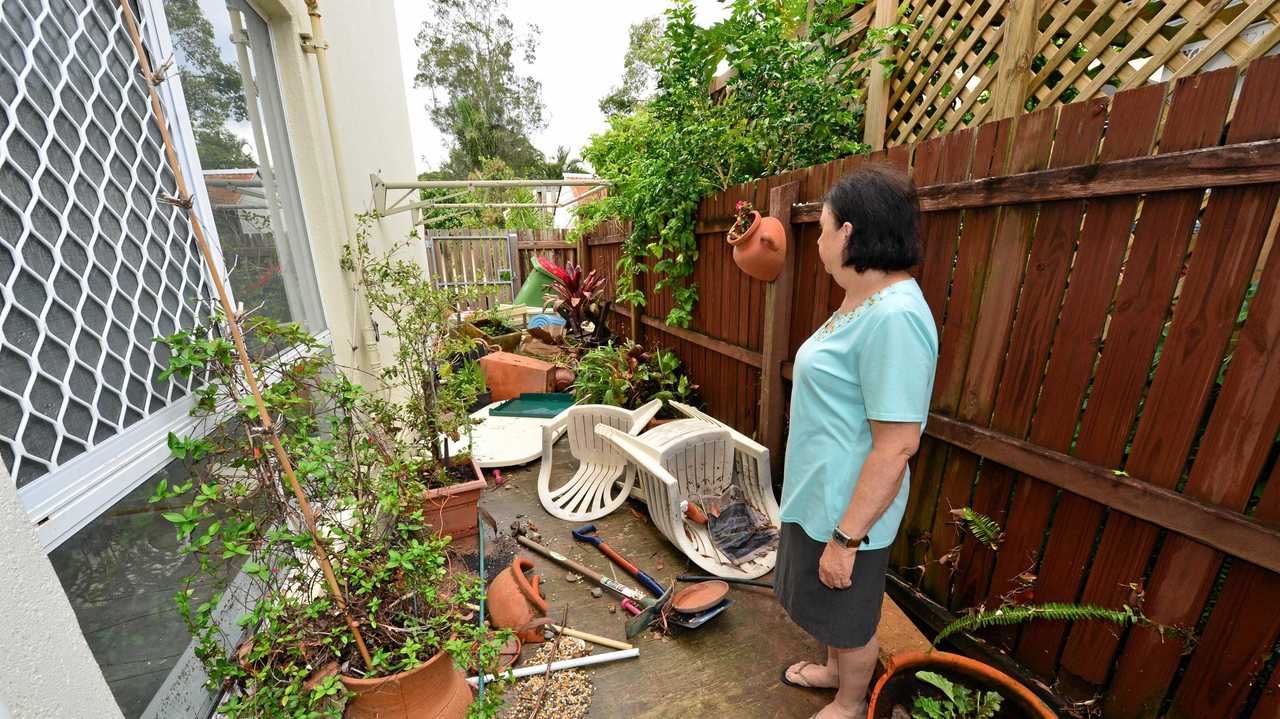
(603, 479)
(699, 458)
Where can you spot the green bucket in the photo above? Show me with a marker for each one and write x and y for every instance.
(534, 287)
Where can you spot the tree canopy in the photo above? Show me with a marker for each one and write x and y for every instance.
(484, 107)
(212, 88)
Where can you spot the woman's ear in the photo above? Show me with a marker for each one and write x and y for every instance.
(847, 229)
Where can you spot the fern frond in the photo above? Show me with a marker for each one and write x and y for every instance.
(1006, 616)
(983, 528)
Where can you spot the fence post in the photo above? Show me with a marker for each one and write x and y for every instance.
(777, 324)
(876, 115)
(1017, 50)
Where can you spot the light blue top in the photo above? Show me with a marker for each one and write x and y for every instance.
(875, 362)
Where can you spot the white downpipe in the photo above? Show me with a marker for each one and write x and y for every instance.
(361, 321)
(563, 664)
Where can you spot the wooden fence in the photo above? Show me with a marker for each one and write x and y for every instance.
(969, 61)
(1107, 386)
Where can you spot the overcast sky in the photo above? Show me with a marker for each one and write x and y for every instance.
(579, 60)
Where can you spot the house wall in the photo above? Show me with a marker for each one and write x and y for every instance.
(47, 670)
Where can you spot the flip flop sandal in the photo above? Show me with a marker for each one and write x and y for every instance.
(798, 685)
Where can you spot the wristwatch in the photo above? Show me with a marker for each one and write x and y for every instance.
(843, 540)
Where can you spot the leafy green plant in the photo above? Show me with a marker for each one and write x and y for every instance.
(429, 399)
(625, 375)
(957, 701)
(492, 322)
(277, 642)
(983, 528)
(790, 101)
(1008, 615)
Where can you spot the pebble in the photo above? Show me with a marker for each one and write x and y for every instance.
(613, 608)
(597, 593)
(572, 578)
(569, 691)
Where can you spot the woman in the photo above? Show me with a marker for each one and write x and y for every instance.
(859, 401)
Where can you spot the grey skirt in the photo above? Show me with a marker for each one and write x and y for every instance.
(840, 618)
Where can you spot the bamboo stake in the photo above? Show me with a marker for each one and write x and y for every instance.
(285, 465)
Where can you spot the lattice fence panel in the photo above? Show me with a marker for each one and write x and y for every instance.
(948, 69)
(945, 68)
(92, 266)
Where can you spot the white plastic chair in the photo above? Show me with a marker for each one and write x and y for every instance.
(701, 461)
(594, 490)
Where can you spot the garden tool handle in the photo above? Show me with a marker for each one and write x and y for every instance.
(589, 573)
(587, 534)
(649, 582)
(630, 607)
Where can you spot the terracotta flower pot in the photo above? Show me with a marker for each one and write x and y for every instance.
(897, 685)
(658, 422)
(435, 689)
(760, 250)
(562, 378)
(452, 510)
(514, 602)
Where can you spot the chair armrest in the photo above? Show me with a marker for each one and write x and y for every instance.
(645, 413)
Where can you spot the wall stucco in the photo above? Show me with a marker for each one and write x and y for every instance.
(46, 668)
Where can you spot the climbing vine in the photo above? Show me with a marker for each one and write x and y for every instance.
(793, 99)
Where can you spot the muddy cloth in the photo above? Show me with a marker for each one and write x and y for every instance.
(740, 532)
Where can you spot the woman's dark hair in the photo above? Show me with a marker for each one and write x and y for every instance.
(880, 202)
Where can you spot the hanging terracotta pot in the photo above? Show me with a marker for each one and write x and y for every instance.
(760, 250)
(898, 686)
(435, 689)
(515, 603)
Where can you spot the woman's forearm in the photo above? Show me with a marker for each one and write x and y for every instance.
(878, 484)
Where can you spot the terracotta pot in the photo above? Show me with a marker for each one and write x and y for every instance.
(452, 510)
(760, 250)
(435, 689)
(510, 375)
(562, 378)
(894, 687)
(656, 422)
(514, 602)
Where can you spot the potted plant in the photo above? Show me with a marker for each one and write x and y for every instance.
(494, 329)
(429, 397)
(581, 300)
(759, 243)
(626, 375)
(344, 605)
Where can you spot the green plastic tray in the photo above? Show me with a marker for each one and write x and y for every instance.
(541, 405)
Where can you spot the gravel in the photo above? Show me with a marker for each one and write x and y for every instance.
(568, 694)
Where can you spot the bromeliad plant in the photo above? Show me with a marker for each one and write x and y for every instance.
(580, 299)
(625, 375)
(277, 641)
(430, 400)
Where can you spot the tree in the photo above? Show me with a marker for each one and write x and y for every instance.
(479, 101)
(562, 162)
(212, 88)
(647, 46)
(510, 218)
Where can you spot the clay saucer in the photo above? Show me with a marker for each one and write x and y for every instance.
(699, 597)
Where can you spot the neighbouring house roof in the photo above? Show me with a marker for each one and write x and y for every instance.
(227, 195)
(565, 217)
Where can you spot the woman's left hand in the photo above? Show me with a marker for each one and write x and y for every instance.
(835, 568)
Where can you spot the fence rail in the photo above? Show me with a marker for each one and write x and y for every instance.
(1109, 308)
